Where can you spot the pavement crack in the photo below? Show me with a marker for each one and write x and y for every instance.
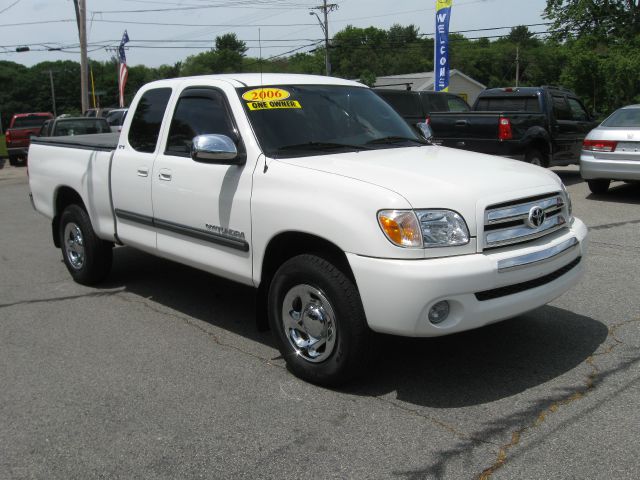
(61, 299)
(590, 383)
(195, 324)
(450, 428)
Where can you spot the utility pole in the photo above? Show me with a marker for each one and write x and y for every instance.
(81, 17)
(517, 64)
(326, 8)
(53, 93)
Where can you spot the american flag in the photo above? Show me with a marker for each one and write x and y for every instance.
(123, 72)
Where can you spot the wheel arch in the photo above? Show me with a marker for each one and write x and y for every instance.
(63, 197)
(286, 245)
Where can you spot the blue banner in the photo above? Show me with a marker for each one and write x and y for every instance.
(441, 65)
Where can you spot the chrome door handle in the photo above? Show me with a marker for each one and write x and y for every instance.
(165, 175)
(143, 172)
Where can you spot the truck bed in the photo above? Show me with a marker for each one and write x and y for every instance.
(81, 164)
(97, 141)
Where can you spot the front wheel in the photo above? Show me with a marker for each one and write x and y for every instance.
(87, 257)
(317, 319)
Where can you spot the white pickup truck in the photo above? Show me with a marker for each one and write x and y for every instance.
(314, 191)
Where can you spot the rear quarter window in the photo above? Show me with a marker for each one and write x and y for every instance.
(147, 119)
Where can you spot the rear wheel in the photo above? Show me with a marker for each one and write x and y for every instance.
(599, 185)
(317, 319)
(535, 157)
(87, 257)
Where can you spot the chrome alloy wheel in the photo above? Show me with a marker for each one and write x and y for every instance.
(309, 323)
(74, 245)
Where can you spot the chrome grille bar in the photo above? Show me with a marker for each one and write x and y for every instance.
(508, 223)
(520, 211)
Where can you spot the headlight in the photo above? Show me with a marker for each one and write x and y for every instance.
(424, 228)
(568, 198)
(442, 228)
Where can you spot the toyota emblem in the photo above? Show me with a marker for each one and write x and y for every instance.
(536, 217)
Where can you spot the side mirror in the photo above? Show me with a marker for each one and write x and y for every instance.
(425, 130)
(214, 148)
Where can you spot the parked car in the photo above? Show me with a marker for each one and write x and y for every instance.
(97, 112)
(21, 128)
(316, 192)
(544, 126)
(116, 118)
(611, 151)
(416, 106)
(62, 126)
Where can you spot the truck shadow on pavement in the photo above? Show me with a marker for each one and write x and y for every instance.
(469, 368)
(484, 365)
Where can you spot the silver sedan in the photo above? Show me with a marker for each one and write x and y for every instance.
(611, 151)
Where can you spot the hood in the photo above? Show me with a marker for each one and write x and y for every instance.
(439, 177)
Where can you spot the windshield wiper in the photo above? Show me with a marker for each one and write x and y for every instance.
(322, 146)
(396, 139)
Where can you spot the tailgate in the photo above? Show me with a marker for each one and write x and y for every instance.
(464, 126)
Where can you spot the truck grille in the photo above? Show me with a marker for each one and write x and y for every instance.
(524, 219)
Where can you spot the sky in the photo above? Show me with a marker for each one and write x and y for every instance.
(281, 25)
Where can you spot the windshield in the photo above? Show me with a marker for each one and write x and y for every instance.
(302, 120)
(81, 126)
(625, 117)
(30, 121)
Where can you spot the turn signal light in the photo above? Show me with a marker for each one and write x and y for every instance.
(599, 145)
(401, 227)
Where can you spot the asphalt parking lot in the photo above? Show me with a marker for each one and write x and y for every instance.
(161, 373)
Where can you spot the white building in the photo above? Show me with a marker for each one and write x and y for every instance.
(459, 83)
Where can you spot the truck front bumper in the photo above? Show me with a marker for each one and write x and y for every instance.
(481, 288)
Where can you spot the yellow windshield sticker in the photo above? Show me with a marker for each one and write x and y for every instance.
(274, 104)
(265, 94)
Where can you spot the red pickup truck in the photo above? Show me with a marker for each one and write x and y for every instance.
(18, 135)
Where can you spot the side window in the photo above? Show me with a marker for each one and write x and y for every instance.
(578, 112)
(147, 119)
(199, 111)
(561, 108)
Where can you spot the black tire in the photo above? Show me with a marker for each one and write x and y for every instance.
(348, 337)
(599, 185)
(536, 157)
(21, 161)
(87, 257)
(13, 160)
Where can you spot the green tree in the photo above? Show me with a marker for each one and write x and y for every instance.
(615, 20)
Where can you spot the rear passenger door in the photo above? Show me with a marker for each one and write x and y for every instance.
(132, 168)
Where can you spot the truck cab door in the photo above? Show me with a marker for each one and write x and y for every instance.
(201, 209)
(132, 168)
(563, 130)
(584, 124)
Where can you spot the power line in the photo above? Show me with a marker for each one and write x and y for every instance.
(12, 5)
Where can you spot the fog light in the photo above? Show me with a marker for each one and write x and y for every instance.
(439, 312)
